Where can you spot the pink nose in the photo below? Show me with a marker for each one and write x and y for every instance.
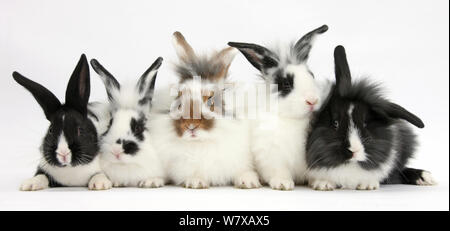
(311, 102)
(63, 154)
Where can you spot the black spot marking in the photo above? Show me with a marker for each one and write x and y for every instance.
(129, 147)
(285, 83)
(138, 127)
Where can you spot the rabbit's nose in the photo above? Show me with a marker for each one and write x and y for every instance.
(311, 101)
(63, 153)
(192, 126)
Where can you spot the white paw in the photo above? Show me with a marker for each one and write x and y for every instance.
(369, 185)
(196, 183)
(281, 184)
(151, 183)
(426, 179)
(36, 183)
(322, 185)
(99, 182)
(117, 184)
(247, 180)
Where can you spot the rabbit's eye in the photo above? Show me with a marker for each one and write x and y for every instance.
(336, 124)
(139, 129)
(210, 102)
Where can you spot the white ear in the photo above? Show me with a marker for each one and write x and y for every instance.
(182, 48)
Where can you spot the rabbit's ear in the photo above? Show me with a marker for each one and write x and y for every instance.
(79, 88)
(260, 57)
(224, 57)
(111, 84)
(342, 71)
(398, 112)
(304, 44)
(146, 83)
(48, 101)
(182, 47)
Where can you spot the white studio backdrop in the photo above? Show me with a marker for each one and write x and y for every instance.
(402, 43)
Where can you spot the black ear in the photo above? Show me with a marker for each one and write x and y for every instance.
(48, 101)
(398, 112)
(304, 44)
(146, 83)
(79, 87)
(342, 71)
(260, 57)
(111, 84)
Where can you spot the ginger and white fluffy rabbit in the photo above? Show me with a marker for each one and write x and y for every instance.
(199, 145)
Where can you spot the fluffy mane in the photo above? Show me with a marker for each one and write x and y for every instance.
(205, 66)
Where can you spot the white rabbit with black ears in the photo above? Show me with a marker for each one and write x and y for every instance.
(199, 146)
(278, 138)
(70, 147)
(127, 154)
(360, 139)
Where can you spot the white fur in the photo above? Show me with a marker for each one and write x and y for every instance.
(99, 182)
(220, 157)
(72, 175)
(354, 138)
(63, 153)
(278, 140)
(352, 175)
(143, 169)
(35, 183)
(427, 179)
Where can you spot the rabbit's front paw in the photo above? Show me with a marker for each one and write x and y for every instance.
(38, 182)
(322, 185)
(369, 185)
(99, 182)
(196, 183)
(281, 184)
(155, 182)
(247, 180)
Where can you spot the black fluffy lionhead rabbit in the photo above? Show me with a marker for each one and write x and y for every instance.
(360, 139)
(70, 146)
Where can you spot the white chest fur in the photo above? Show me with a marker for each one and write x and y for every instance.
(72, 176)
(278, 145)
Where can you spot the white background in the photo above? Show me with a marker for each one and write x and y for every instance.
(404, 44)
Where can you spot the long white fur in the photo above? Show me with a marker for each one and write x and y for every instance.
(144, 168)
(278, 141)
(220, 156)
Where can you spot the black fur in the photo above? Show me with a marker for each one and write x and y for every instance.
(138, 127)
(129, 147)
(269, 62)
(303, 46)
(48, 101)
(377, 120)
(108, 79)
(69, 120)
(76, 127)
